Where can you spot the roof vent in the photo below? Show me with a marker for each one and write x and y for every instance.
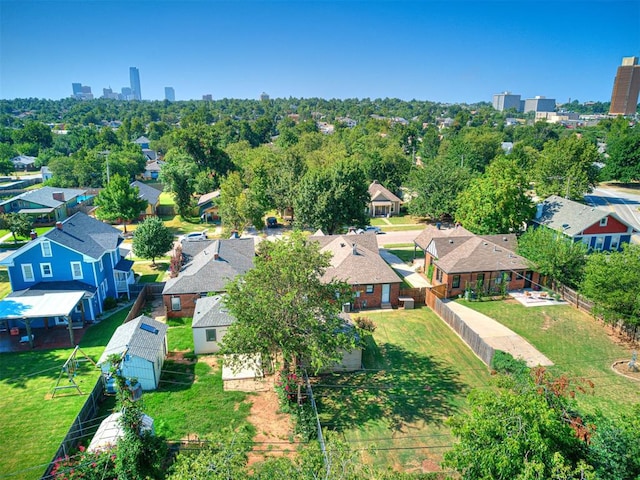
(504, 239)
(354, 249)
(450, 241)
(59, 225)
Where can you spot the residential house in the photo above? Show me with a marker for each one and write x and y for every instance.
(46, 173)
(142, 141)
(357, 261)
(151, 195)
(65, 275)
(45, 205)
(599, 229)
(211, 319)
(152, 170)
(24, 162)
(383, 203)
(208, 267)
(142, 345)
(208, 206)
(151, 155)
(456, 260)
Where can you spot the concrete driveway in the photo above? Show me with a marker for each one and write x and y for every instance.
(407, 271)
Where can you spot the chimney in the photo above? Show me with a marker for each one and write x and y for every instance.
(216, 250)
(539, 209)
(59, 225)
(59, 196)
(33, 234)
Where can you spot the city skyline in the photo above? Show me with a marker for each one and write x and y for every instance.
(454, 52)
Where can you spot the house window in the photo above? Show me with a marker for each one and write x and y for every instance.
(27, 272)
(603, 221)
(46, 248)
(369, 288)
(614, 242)
(175, 304)
(45, 270)
(101, 264)
(211, 334)
(456, 281)
(103, 287)
(76, 270)
(438, 275)
(599, 243)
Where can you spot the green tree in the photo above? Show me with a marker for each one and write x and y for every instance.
(554, 255)
(179, 175)
(612, 282)
(473, 148)
(623, 149)
(496, 202)
(119, 201)
(19, 224)
(566, 168)
(238, 205)
(152, 239)
(284, 308)
(436, 186)
(331, 197)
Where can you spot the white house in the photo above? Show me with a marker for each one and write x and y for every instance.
(210, 323)
(143, 343)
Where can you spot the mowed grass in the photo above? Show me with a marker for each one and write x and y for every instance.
(579, 346)
(417, 374)
(5, 286)
(32, 422)
(406, 255)
(150, 273)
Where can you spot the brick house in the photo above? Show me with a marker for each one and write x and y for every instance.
(356, 260)
(208, 266)
(458, 259)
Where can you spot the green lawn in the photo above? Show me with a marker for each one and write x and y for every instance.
(33, 424)
(418, 373)
(5, 286)
(402, 228)
(406, 254)
(149, 273)
(577, 344)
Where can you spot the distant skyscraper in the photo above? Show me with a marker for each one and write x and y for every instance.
(539, 104)
(134, 77)
(505, 101)
(626, 86)
(264, 97)
(127, 93)
(207, 97)
(81, 92)
(77, 88)
(169, 94)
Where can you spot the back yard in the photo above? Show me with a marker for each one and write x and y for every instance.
(418, 373)
(579, 346)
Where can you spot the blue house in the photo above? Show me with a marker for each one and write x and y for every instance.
(45, 205)
(64, 276)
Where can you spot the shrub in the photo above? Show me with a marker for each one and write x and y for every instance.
(287, 389)
(110, 303)
(365, 323)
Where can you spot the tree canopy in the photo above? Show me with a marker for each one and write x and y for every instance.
(152, 239)
(119, 201)
(283, 307)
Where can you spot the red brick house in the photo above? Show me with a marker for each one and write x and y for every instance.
(356, 260)
(460, 260)
(208, 266)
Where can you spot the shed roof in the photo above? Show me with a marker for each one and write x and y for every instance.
(211, 312)
(142, 337)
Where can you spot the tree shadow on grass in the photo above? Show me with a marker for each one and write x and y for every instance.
(398, 386)
(177, 375)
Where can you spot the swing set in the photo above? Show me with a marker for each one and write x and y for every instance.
(70, 370)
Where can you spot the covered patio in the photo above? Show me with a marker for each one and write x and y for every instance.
(17, 309)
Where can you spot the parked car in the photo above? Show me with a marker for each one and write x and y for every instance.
(195, 236)
(369, 229)
(272, 222)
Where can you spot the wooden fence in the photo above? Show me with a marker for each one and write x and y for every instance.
(84, 425)
(144, 292)
(470, 337)
(419, 295)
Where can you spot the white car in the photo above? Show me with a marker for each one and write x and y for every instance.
(195, 236)
(369, 229)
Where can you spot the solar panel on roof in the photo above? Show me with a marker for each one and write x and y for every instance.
(148, 328)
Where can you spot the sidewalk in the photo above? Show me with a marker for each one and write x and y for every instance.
(406, 271)
(498, 336)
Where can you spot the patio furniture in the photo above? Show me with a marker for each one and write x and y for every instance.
(25, 339)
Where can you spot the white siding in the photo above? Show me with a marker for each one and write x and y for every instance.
(200, 344)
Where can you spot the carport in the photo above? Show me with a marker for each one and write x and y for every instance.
(47, 305)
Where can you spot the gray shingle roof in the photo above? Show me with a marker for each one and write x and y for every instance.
(476, 254)
(211, 312)
(44, 196)
(141, 343)
(86, 235)
(359, 264)
(150, 194)
(431, 231)
(206, 273)
(570, 217)
(376, 189)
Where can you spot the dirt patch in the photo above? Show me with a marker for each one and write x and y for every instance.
(621, 367)
(274, 430)
(183, 357)
(548, 321)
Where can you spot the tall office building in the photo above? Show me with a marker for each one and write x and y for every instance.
(134, 77)
(539, 104)
(81, 92)
(505, 101)
(77, 89)
(626, 86)
(207, 97)
(264, 97)
(169, 94)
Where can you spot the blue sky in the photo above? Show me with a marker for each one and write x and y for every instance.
(447, 51)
